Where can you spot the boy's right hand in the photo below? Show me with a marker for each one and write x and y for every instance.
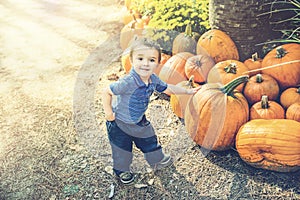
(110, 117)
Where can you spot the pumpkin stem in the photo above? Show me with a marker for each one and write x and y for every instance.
(259, 78)
(231, 68)
(191, 82)
(264, 102)
(229, 87)
(255, 56)
(298, 90)
(280, 52)
(188, 31)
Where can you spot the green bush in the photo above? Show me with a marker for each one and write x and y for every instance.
(170, 17)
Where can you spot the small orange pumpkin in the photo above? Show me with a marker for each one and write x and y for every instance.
(184, 42)
(225, 71)
(253, 64)
(266, 109)
(283, 64)
(258, 85)
(215, 113)
(179, 102)
(218, 45)
(199, 67)
(293, 112)
(164, 58)
(272, 144)
(290, 96)
(172, 72)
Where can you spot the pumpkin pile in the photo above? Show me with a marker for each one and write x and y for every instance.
(252, 105)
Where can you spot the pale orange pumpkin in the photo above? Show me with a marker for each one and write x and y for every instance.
(199, 67)
(179, 102)
(258, 85)
(129, 31)
(266, 109)
(172, 71)
(272, 144)
(164, 58)
(218, 45)
(225, 71)
(215, 113)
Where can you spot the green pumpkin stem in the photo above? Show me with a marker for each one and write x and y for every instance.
(264, 102)
(188, 31)
(229, 87)
(231, 68)
(280, 52)
(298, 90)
(259, 78)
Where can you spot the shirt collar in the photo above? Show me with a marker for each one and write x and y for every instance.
(138, 79)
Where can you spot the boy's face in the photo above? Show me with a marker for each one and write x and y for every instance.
(145, 60)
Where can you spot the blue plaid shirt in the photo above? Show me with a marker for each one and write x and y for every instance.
(133, 96)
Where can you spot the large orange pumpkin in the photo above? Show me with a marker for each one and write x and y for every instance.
(172, 71)
(198, 66)
(290, 96)
(179, 102)
(272, 144)
(184, 42)
(215, 113)
(225, 71)
(266, 109)
(293, 112)
(258, 85)
(218, 45)
(283, 63)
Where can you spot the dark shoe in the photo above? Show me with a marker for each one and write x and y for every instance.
(165, 162)
(126, 177)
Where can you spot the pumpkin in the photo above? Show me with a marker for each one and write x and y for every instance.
(225, 71)
(164, 58)
(258, 85)
(125, 61)
(290, 96)
(283, 63)
(179, 102)
(127, 4)
(184, 42)
(272, 144)
(172, 72)
(199, 67)
(215, 113)
(218, 45)
(266, 109)
(293, 112)
(129, 31)
(253, 64)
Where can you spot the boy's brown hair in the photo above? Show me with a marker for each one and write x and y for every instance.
(142, 41)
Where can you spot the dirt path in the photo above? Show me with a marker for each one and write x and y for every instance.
(44, 44)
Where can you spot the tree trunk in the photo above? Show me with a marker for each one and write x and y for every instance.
(240, 20)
